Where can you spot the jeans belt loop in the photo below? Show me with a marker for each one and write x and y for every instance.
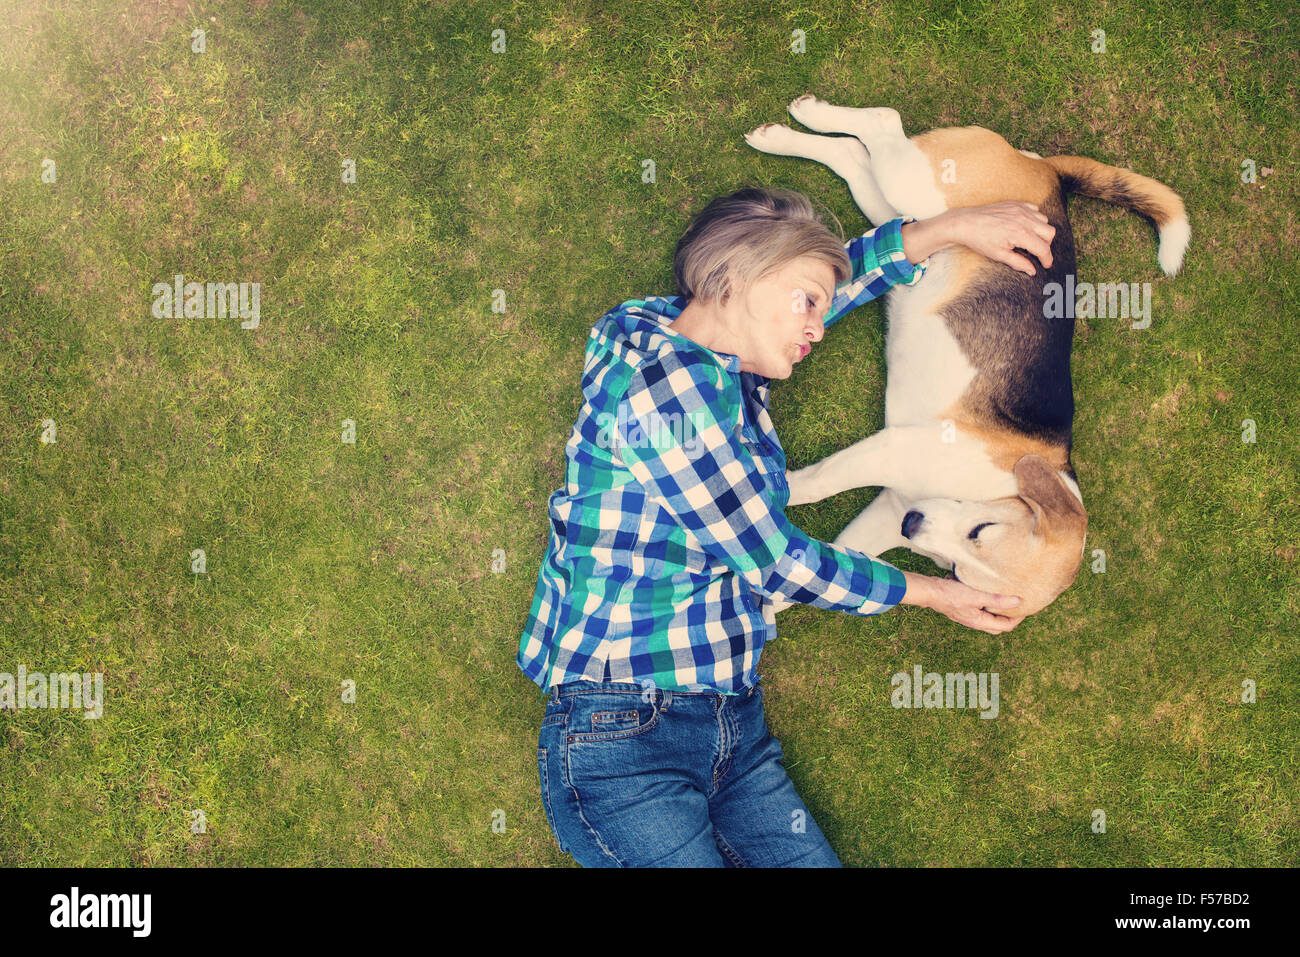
(667, 698)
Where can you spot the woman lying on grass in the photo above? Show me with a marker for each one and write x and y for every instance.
(669, 541)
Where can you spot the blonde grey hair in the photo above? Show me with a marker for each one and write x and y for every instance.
(739, 239)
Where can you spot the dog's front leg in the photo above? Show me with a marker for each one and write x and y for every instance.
(878, 528)
(873, 461)
(920, 461)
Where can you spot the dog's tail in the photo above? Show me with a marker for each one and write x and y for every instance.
(1141, 194)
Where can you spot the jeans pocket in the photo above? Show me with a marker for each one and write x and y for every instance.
(616, 720)
(610, 717)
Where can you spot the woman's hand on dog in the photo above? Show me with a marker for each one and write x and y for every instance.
(961, 603)
(995, 231)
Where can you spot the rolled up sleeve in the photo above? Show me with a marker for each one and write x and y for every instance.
(878, 263)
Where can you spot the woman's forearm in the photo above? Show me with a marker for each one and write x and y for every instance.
(920, 590)
(925, 237)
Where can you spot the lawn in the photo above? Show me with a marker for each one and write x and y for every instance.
(434, 227)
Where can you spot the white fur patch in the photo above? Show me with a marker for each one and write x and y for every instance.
(1173, 243)
(928, 371)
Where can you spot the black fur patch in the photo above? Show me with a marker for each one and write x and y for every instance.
(1022, 358)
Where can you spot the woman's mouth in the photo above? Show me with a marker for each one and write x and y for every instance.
(804, 349)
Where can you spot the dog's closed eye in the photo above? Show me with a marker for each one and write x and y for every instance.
(975, 532)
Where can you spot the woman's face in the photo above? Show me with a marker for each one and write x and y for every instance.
(783, 316)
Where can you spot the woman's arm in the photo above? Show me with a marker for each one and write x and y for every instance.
(711, 486)
(961, 603)
(993, 231)
(895, 252)
(878, 261)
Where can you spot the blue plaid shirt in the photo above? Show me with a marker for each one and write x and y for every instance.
(669, 537)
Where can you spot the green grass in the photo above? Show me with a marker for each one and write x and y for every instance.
(522, 172)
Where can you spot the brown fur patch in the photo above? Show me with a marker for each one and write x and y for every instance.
(985, 167)
(1006, 448)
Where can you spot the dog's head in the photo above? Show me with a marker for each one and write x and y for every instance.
(1029, 544)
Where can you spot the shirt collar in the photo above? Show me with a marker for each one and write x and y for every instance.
(646, 320)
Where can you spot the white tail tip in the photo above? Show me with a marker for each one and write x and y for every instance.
(1173, 243)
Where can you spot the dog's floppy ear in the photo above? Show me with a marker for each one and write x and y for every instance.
(1054, 506)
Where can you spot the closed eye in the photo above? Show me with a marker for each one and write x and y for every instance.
(975, 532)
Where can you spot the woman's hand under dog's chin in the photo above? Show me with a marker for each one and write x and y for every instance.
(961, 603)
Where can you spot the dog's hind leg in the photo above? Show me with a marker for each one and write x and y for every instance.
(845, 155)
(902, 171)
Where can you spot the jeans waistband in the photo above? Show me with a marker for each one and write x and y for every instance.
(638, 688)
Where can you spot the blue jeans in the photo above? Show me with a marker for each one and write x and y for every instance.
(670, 779)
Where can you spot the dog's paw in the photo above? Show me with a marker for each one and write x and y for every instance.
(814, 113)
(809, 101)
(774, 138)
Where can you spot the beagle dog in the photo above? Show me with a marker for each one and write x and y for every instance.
(974, 460)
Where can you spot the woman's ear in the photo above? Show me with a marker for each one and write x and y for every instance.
(730, 287)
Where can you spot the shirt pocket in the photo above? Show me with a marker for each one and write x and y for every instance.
(767, 465)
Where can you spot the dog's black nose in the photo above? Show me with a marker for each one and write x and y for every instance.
(910, 522)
